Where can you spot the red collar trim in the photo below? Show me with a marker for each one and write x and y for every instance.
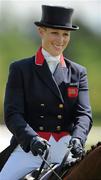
(39, 60)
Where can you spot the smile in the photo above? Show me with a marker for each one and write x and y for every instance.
(58, 46)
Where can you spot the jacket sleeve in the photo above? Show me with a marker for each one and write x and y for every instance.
(82, 115)
(14, 108)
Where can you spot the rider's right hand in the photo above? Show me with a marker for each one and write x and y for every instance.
(38, 145)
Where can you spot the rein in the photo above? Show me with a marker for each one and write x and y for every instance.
(46, 162)
(51, 168)
(43, 163)
(65, 156)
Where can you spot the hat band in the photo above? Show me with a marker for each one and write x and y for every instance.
(69, 25)
(55, 23)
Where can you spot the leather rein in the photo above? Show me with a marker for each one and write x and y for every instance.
(44, 158)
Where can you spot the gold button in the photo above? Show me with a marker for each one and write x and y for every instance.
(60, 105)
(41, 128)
(42, 116)
(59, 116)
(58, 128)
(42, 105)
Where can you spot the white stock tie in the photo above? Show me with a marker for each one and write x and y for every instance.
(51, 60)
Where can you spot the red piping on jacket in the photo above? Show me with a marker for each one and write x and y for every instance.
(57, 136)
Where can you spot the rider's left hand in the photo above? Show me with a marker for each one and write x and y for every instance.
(76, 147)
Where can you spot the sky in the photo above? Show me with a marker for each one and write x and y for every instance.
(89, 11)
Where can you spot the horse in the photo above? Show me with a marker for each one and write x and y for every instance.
(87, 167)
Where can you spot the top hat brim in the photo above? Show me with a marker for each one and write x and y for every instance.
(42, 24)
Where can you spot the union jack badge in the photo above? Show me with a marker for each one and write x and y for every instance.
(72, 92)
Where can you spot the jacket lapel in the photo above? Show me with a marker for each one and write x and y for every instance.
(46, 76)
(62, 77)
(42, 69)
(61, 74)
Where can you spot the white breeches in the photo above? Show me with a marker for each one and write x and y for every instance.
(21, 163)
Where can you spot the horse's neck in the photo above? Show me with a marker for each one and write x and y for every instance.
(88, 168)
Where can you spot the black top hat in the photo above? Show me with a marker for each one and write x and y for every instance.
(57, 17)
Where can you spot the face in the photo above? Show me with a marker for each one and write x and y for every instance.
(54, 41)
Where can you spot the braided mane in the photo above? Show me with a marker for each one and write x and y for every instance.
(93, 147)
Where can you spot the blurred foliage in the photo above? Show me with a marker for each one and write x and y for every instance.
(84, 49)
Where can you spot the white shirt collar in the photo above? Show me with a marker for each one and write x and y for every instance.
(52, 61)
(49, 57)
